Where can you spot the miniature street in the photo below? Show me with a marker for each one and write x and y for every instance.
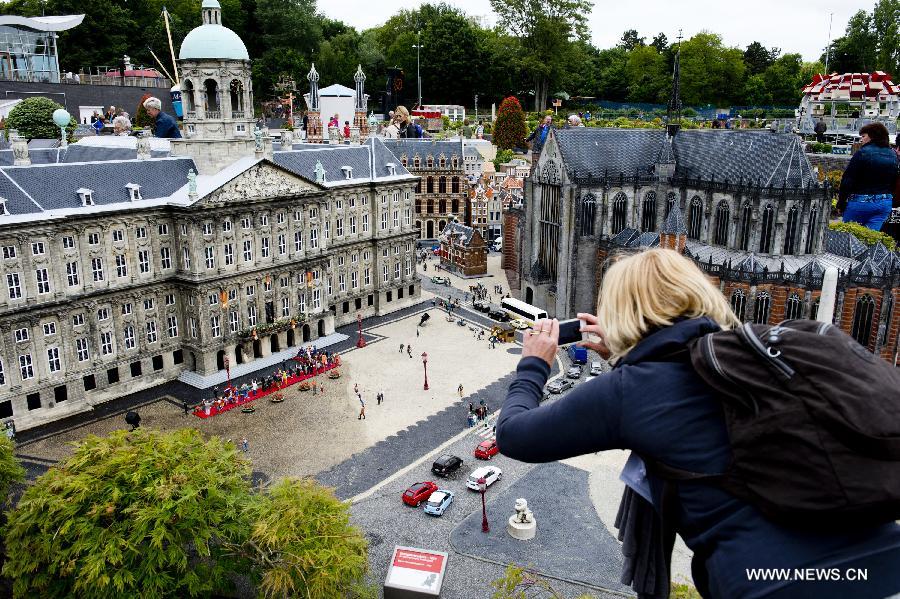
(372, 461)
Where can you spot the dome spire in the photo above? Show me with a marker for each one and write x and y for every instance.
(212, 12)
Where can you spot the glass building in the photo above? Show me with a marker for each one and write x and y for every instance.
(28, 47)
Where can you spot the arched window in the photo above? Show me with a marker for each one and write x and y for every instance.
(746, 226)
(211, 100)
(794, 307)
(790, 231)
(442, 208)
(761, 309)
(416, 162)
(442, 185)
(187, 96)
(811, 230)
(443, 162)
(722, 217)
(862, 319)
(430, 161)
(695, 218)
(588, 214)
(888, 314)
(454, 185)
(648, 212)
(454, 203)
(619, 212)
(766, 229)
(236, 95)
(429, 185)
(671, 198)
(738, 303)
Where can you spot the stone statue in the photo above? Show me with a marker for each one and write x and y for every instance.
(287, 139)
(257, 137)
(192, 182)
(19, 149)
(373, 121)
(320, 172)
(522, 525)
(143, 145)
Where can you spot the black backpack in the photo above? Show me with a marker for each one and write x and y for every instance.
(813, 419)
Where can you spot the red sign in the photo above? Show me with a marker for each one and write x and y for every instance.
(417, 560)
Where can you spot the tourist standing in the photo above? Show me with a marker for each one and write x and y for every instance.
(820, 129)
(466, 129)
(406, 128)
(867, 186)
(409, 350)
(539, 135)
(460, 390)
(245, 445)
(479, 130)
(362, 409)
(165, 126)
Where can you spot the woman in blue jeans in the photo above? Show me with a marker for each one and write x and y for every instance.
(867, 185)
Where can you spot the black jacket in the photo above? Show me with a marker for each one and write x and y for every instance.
(872, 170)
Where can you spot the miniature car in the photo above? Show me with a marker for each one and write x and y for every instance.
(438, 502)
(596, 368)
(482, 306)
(439, 280)
(486, 449)
(574, 372)
(520, 324)
(559, 385)
(491, 474)
(418, 493)
(446, 465)
(498, 315)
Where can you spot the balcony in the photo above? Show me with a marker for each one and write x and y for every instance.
(214, 114)
(238, 114)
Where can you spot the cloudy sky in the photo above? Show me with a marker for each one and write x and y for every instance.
(792, 25)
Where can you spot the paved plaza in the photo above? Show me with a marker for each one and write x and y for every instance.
(372, 461)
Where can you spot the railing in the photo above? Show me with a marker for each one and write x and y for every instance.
(238, 114)
(214, 114)
(845, 279)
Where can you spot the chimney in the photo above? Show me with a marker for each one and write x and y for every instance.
(19, 149)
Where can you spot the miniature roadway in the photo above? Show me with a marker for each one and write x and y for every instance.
(371, 462)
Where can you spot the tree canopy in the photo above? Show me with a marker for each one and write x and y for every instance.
(33, 118)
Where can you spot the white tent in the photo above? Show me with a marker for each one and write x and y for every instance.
(336, 99)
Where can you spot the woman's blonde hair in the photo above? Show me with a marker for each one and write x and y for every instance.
(401, 114)
(651, 289)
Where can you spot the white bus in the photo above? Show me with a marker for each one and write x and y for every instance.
(522, 311)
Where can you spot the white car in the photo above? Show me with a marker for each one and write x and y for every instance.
(596, 368)
(491, 474)
(438, 502)
(519, 324)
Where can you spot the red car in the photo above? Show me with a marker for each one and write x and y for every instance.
(487, 449)
(418, 493)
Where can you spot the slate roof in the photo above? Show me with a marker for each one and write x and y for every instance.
(868, 267)
(52, 187)
(844, 244)
(768, 158)
(82, 152)
(424, 148)
(368, 161)
(465, 233)
(624, 237)
(750, 264)
(674, 223)
(645, 240)
(816, 264)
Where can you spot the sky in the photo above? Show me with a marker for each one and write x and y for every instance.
(799, 26)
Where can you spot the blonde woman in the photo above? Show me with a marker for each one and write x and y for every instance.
(651, 305)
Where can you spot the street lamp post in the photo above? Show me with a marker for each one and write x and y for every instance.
(418, 47)
(482, 487)
(360, 342)
(425, 364)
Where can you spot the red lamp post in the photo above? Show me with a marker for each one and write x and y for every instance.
(482, 487)
(425, 364)
(360, 342)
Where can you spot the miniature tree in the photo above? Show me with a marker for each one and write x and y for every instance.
(509, 131)
(10, 470)
(142, 118)
(33, 118)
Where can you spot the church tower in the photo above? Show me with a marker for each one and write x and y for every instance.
(217, 94)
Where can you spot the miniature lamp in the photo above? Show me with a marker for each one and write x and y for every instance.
(62, 119)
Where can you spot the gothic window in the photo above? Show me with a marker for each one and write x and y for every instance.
(862, 319)
(888, 314)
(442, 185)
(761, 307)
(429, 185)
(648, 212)
(794, 307)
(588, 212)
(811, 230)
(790, 231)
(746, 226)
(549, 223)
(671, 198)
(722, 217)
(766, 229)
(738, 303)
(454, 185)
(619, 212)
(695, 218)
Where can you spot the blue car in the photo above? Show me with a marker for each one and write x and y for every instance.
(438, 502)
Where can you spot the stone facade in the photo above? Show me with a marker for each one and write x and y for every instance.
(463, 251)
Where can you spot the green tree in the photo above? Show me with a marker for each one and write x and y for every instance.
(855, 51)
(509, 129)
(711, 73)
(886, 28)
(10, 470)
(142, 118)
(756, 92)
(612, 77)
(758, 58)
(33, 118)
(784, 79)
(547, 30)
(660, 42)
(647, 75)
(631, 40)
(302, 543)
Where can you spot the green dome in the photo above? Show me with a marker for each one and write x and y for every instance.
(213, 41)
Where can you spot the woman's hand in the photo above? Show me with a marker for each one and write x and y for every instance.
(541, 341)
(597, 344)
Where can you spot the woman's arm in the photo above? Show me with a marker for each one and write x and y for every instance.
(847, 181)
(586, 420)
